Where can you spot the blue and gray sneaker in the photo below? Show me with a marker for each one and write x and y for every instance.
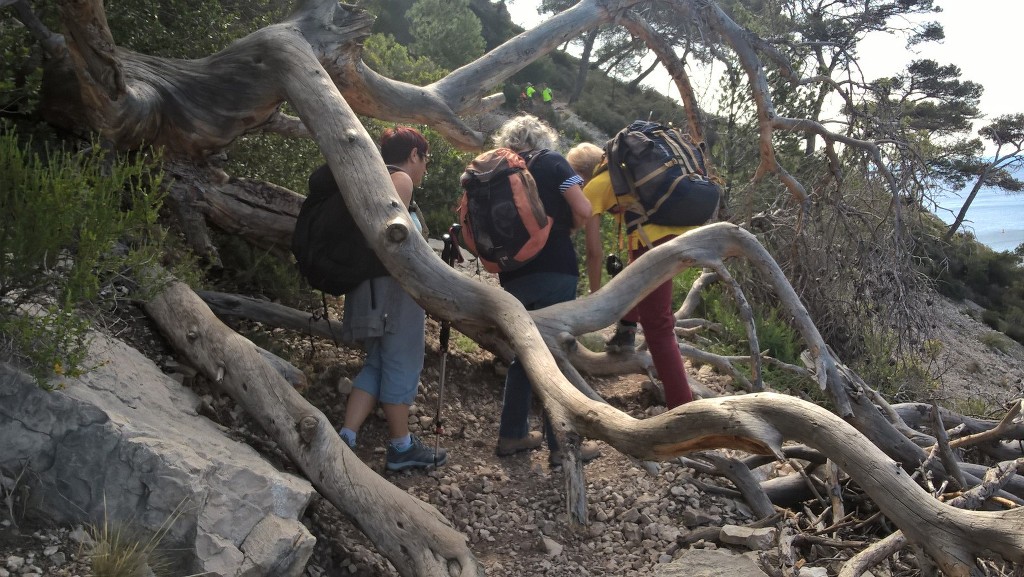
(349, 440)
(416, 456)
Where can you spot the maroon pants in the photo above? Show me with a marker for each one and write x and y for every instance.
(658, 320)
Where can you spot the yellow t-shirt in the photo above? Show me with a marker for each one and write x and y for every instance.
(601, 195)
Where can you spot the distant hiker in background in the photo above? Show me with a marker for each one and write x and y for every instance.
(530, 91)
(549, 278)
(549, 109)
(391, 327)
(654, 312)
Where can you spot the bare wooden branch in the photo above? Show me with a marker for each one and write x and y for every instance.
(1004, 425)
(994, 480)
(747, 315)
(873, 555)
(835, 491)
(740, 476)
(51, 42)
(415, 531)
(693, 298)
(667, 56)
(949, 461)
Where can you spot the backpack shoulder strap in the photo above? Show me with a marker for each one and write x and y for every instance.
(393, 169)
(534, 155)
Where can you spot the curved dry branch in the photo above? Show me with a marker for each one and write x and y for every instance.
(415, 537)
(693, 296)
(676, 69)
(873, 555)
(724, 365)
(746, 314)
(739, 39)
(759, 422)
(51, 42)
(727, 364)
(709, 246)
(196, 107)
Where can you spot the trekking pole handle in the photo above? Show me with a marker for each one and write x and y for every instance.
(451, 253)
(446, 333)
(613, 264)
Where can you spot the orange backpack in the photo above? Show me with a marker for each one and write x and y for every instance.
(503, 219)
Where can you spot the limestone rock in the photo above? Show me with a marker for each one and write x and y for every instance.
(124, 442)
(753, 539)
(550, 546)
(709, 563)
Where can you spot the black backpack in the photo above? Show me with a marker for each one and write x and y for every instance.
(329, 248)
(659, 176)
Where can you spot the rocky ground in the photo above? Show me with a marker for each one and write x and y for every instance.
(512, 509)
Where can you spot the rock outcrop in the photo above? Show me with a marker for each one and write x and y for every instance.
(124, 443)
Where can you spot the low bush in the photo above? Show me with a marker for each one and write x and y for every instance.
(73, 229)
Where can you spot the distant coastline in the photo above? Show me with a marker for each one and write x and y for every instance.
(995, 217)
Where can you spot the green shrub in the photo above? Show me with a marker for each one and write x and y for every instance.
(992, 319)
(966, 269)
(253, 270)
(464, 343)
(72, 227)
(776, 337)
(899, 378)
(996, 340)
(1015, 332)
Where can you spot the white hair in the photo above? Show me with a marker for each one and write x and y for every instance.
(524, 133)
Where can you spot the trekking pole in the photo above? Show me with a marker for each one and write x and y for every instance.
(450, 254)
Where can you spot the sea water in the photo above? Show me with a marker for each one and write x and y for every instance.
(995, 217)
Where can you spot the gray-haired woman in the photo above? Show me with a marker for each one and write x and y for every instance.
(549, 278)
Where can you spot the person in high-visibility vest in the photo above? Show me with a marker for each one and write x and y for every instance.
(545, 94)
(530, 91)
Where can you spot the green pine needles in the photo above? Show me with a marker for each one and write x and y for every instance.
(73, 228)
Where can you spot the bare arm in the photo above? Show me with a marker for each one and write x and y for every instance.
(403, 186)
(595, 251)
(579, 205)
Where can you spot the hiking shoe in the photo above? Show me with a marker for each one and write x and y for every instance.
(655, 389)
(507, 447)
(417, 456)
(589, 451)
(624, 339)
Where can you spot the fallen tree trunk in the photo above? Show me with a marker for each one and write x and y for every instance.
(414, 536)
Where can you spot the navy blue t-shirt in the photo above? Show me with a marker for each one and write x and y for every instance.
(551, 171)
